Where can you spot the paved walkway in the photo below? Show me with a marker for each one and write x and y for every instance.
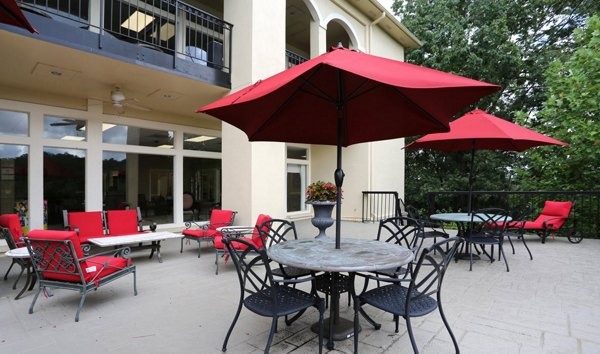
(548, 305)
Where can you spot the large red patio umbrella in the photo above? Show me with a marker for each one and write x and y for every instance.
(11, 14)
(479, 130)
(345, 97)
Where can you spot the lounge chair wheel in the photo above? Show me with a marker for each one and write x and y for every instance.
(575, 236)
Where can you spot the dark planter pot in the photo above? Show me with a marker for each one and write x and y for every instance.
(322, 219)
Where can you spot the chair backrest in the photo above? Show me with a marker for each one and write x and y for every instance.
(413, 212)
(277, 230)
(399, 230)
(489, 222)
(87, 224)
(56, 254)
(220, 218)
(13, 231)
(557, 211)
(252, 266)
(428, 273)
(123, 222)
(263, 222)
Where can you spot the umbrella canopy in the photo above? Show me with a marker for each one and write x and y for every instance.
(345, 97)
(11, 14)
(479, 130)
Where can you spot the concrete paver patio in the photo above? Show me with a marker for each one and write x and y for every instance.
(548, 305)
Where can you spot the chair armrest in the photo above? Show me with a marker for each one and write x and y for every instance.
(383, 278)
(549, 225)
(199, 224)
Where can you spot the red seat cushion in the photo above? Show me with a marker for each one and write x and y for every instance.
(122, 222)
(238, 246)
(200, 233)
(13, 224)
(94, 268)
(89, 224)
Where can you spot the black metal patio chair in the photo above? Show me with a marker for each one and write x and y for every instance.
(487, 229)
(415, 300)
(265, 295)
(431, 229)
(516, 228)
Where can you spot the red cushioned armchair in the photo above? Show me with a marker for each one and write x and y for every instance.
(250, 234)
(10, 228)
(206, 232)
(552, 218)
(58, 262)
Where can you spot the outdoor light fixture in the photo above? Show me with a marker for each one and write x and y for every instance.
(137, 21)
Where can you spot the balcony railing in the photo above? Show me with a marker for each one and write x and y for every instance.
(169, 26)
(293, 59)
(380, 205)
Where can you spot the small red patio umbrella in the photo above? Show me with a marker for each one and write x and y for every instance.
(479, 130)
(345, 97)
(11, 14)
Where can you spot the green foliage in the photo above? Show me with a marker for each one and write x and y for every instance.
(571, 114)
(507, 42)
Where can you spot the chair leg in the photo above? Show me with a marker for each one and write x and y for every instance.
(368, 318)
(37, 293)
(511, 244)
(294, 318)
(470, 257)
(321, 325)
(217, 262)
(410, 334)
(18, 277)
(271, 334)
(9, 268)
(199, 248)
(396, 320)
(447, 324)
(134, 283)
(80, 306)
(235, 318)
(181, 249)
(527, 247)
(501, 250)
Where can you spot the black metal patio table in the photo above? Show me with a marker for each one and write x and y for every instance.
(354, 255)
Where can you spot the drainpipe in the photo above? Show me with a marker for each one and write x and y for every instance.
(369, 35)
(370, 30)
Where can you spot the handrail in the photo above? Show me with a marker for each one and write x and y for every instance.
(379, 205)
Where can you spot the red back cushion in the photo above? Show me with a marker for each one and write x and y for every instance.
(553, 210)
(122, 222)
(57, 262)
(12, 223)
(219, 218)
(257, 239)
(89, 224)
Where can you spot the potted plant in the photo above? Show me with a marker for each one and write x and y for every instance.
(322, 196)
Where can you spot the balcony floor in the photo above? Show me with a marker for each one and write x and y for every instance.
(546, 305)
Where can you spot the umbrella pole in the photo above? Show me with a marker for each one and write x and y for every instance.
(470, 197)
(339, 173)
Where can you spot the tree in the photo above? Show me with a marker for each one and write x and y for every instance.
(571, 113)
(507, 42)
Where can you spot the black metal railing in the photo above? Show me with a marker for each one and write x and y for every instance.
(585, 216)
(293, 59)
(379, 205)
(169, 26)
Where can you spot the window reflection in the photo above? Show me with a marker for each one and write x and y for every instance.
(14, 182)
(64, 128)
(64, 183)
(14, 123)
(202, 180)
(201, 142)
(130, 180)
(127, 135)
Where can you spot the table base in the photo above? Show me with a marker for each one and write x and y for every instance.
(342, 330)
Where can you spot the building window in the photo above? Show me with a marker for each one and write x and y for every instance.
(201, 142)
(64, 128)
(14, 181)
(127, 135)
(14, 123)
(132, 180)
(297, 177)
(64, 183)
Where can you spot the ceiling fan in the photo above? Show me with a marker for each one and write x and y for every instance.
(119, 101)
